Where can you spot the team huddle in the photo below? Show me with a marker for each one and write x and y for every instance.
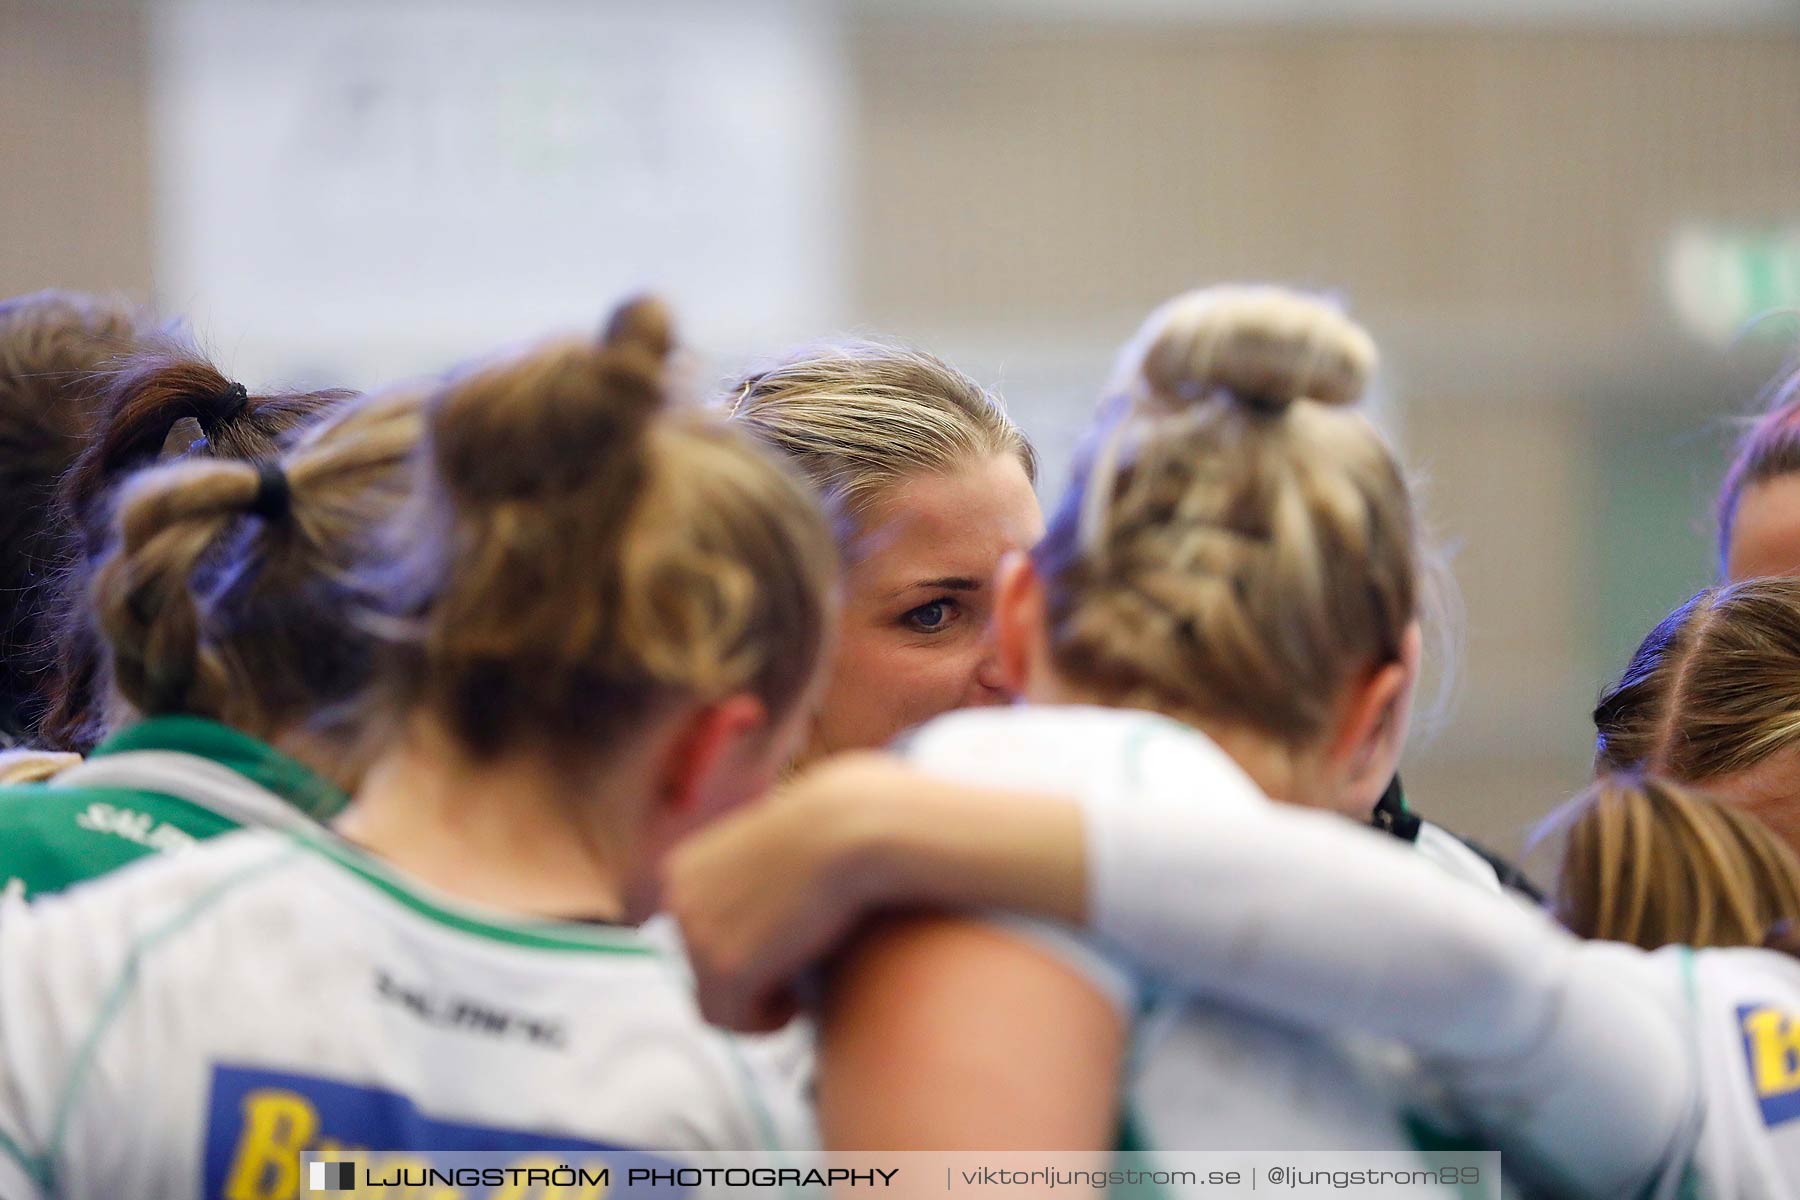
(542, 757)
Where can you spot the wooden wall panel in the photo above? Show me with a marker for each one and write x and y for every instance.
(75, 179)
(1013, 176)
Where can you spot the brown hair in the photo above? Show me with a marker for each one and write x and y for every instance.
(229, 589)
(1713, 690)
(591, 551)
(143, 403)
(1653, 863)
(1236, 544)
(1768, 450)
(51, 346)
(858, 417)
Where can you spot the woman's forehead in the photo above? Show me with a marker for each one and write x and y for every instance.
(1765, 533)
(951, 526)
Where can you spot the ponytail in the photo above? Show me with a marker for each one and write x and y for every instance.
(141, 406)
(227, 589)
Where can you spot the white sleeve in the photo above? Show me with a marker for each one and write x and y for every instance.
(1546, 1041)
(24, 1115)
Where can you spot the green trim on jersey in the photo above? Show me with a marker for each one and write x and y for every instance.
(536, 935)
(759, 1111)
(255, 760)
(29, 1163)
(52, 837)
(1432, 1142)
(1688, 1187)
(1132, 1152)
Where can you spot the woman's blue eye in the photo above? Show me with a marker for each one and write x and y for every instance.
(929, 617)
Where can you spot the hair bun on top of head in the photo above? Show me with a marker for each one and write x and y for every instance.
(1264, 346)
(640, 324)
(551, 420)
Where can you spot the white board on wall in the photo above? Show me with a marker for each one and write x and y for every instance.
(356, 191)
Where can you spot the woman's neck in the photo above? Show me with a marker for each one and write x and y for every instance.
(339, 761)
(504, 832)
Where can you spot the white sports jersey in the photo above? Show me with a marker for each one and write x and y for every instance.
(1745, 1006)
(189, 1025)
(1200, 1076)
(1444, 849)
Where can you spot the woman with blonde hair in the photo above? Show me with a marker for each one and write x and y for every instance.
(928, 484)
(1653, 863)
(604, 616)
(1758, 509)
(1711, 697)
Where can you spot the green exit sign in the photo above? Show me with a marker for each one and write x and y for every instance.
(1721, 279)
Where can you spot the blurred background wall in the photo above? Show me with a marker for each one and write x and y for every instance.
(1556, 217)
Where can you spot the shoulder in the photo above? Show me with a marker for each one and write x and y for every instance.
(53, 837)
(1098, 752)
(1085, 956)
(73, 972)
(1739, 975)
(109, 916)
(1444, 849)
(1023, 732)
(66, 957)
(1745, 1005)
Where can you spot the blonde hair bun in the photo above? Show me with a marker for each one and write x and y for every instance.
(500, 432)
(1264, 346)
(641, 324)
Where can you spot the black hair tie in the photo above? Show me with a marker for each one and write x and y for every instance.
(1264, 403)
(274, 498)
(226, 406)
(233, 400)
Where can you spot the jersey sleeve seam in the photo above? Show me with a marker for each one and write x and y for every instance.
(120, 990)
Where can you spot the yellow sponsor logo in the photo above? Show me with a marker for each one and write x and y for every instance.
(280, 1125)
(1772, 1053)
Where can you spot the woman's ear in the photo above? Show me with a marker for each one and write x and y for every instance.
(700, 773)
(1371, 732)
(708, 752)
(1019, 620)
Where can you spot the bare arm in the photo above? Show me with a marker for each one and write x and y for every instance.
(945, 1034)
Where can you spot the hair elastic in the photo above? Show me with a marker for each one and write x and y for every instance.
(225, 405)
(274, 498)
(233, 400)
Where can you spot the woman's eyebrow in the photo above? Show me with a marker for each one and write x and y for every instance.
(946, 583)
